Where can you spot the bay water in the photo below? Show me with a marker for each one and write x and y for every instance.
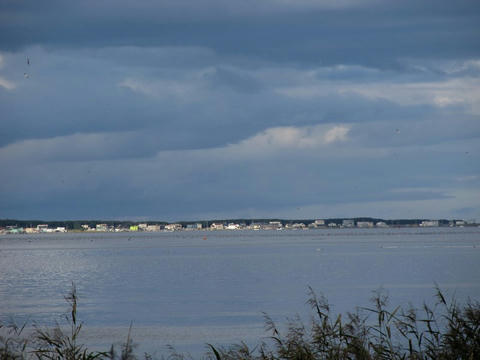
(190, 288)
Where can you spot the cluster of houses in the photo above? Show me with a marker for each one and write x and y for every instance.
(43, 228)
(270, 225)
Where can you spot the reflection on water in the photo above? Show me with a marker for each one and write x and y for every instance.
(179, 288)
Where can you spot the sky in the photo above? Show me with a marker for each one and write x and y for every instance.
(209, 109)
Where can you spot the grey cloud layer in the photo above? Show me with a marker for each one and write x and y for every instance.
(367, 32)
(229, 181)
(212, 103)
(196, 108)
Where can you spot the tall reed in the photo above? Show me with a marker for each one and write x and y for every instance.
(446, 330)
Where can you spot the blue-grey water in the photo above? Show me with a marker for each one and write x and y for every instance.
(180, 289)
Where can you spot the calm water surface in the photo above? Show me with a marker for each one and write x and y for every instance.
(180, 289)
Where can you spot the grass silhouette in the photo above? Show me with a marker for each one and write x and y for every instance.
(446, 330)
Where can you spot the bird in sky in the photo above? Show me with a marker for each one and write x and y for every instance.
(25, 75)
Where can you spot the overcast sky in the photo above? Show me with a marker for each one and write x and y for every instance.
(200, 109)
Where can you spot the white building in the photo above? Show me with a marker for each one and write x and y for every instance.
(365, 224)
(232, 226)
(152, 228)
(275, 225)
(255, 226)
(429, 223)
(217, 226)
(173, 227)
(348, 223)
(42, 228)
(101, 227)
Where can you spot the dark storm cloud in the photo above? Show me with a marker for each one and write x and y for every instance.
(190, 109)
(370, 32)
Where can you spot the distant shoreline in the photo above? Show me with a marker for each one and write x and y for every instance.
(13, 226)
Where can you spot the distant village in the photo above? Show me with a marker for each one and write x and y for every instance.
(75, 226)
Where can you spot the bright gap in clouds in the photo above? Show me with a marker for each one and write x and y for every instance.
(290, 137)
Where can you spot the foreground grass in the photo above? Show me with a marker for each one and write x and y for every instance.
(447, 330)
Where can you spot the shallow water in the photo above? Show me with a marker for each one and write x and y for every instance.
(179, 289)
